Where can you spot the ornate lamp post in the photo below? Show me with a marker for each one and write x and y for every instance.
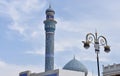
(97, 41)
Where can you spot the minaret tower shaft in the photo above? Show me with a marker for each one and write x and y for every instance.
(49, 42)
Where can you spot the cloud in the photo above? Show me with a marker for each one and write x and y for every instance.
(36, 52)
(67, 42)
(69, 26)
(27, 21)
(2, 64)
(17, 28)
(62, 45)
(24, 15)
(91, 74)
(14, 70)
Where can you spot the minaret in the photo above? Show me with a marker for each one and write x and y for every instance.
(49, 42)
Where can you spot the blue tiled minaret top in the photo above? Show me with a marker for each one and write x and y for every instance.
(50, 22)
(49, 42)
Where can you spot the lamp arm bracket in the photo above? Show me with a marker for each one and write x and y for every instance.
(90, 37)
(102, 40)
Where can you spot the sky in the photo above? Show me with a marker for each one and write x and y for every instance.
(22, 34)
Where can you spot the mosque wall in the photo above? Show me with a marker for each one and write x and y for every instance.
(56, 72)
(111, 70)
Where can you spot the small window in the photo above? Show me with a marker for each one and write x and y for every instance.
(49, 16)
(23, 74)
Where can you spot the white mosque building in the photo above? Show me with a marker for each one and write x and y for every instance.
(72, 68)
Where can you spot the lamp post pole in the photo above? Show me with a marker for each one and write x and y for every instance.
(97, 41)
(98, 65)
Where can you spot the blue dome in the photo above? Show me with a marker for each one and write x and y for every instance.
(76, 65)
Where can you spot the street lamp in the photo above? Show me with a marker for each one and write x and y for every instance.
(97, 41)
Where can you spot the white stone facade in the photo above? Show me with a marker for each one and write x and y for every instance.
(53, 73)
(111, 70)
